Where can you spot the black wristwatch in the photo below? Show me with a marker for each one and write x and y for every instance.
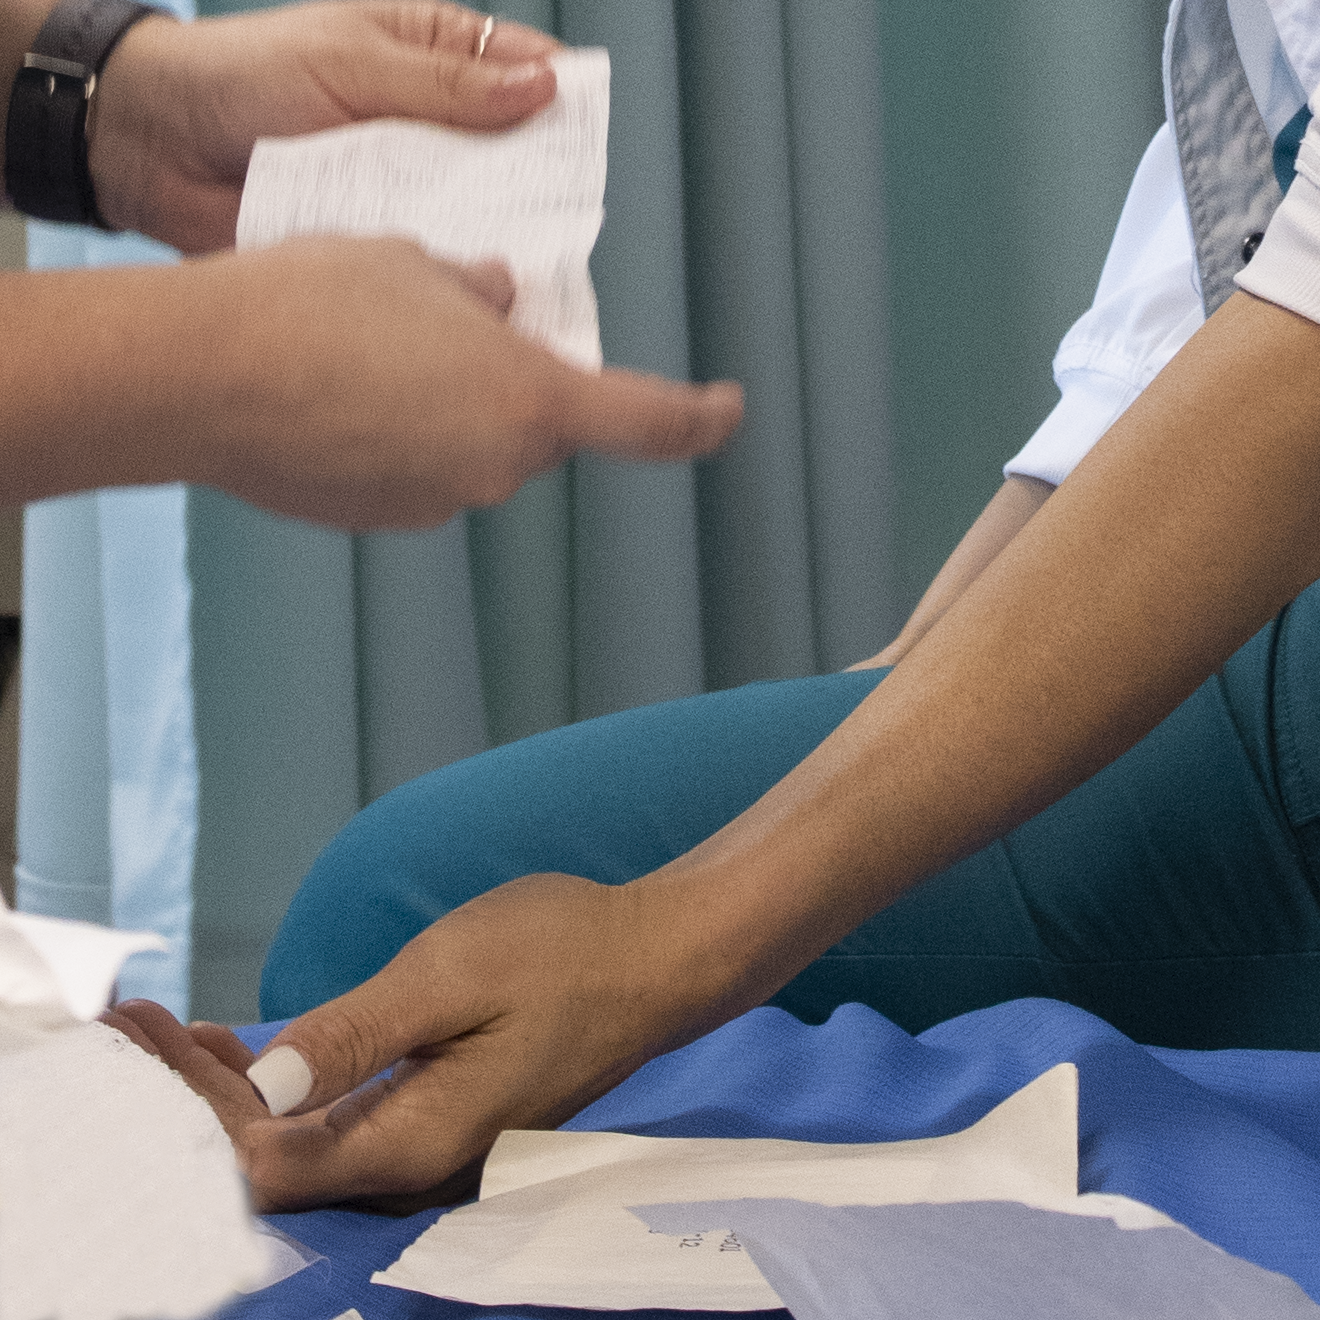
(46, 173)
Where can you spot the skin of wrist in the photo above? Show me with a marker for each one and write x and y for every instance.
(741, 924)
(127, 125)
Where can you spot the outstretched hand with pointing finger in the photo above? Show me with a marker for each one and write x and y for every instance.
(353, 382)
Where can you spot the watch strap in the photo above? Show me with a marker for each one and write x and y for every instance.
(46, 170)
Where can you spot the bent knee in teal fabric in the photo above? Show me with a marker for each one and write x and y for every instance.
(1173, 894)
(609, 799)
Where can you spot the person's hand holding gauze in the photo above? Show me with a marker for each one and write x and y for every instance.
(531, 198)
(500, 1022)
(180, 105)
(356, 382)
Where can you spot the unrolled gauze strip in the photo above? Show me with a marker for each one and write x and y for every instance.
(532, 197)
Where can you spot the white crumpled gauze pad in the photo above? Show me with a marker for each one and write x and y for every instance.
(533, 197)
(553, 1227)
(119, 1193)
(54, 973)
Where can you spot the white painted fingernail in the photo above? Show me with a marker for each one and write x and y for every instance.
(283, 1079)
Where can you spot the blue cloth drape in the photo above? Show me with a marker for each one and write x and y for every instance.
(1226, 1142)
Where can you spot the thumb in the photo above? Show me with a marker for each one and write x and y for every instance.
(330, 1051)
(487, 281)
(647, 417)
(451, 88)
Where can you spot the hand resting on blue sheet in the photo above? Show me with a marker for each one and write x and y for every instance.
(214, 1061)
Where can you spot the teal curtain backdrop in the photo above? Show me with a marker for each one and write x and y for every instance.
(879, 217)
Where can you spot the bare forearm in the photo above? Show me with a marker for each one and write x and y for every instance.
(268, 374)
(1187, 528)
(352, 382)
(1008, 512)
(1193, 521)
(234, 371)
(95, 371)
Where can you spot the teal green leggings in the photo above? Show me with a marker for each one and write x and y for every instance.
(1175, 894)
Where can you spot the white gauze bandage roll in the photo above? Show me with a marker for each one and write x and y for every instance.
(120, 1195)
(532, 197)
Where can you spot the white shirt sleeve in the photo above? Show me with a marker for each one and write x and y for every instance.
(1147, 306)
(1286, 268)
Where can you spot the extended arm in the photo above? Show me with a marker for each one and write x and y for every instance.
(352, 382)
(1191, 523)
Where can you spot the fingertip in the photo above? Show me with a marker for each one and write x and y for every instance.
(479, 95)
(493, 284)
(283, 1079)
(483, 96)
(125, 1025)
(223, 1044)
(323, 1055)
(729, 390)
(515, 41)
(726, 404)
(647, 417)
(523, 88)
(146, 1012)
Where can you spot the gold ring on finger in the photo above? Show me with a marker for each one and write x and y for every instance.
(483, 36)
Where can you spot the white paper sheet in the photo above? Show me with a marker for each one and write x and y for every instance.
(55, 974)
(995, 1260)
(552, 1227)
(532, 197)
